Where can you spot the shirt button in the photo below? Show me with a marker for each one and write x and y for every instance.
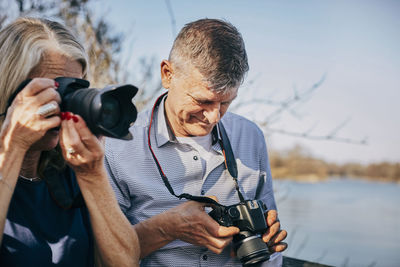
(203, 192)
(195, 158)
(205, 257)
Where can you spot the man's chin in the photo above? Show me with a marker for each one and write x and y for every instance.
(199, 130)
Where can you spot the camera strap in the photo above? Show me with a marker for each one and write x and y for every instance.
(230, 162)
(14, 95)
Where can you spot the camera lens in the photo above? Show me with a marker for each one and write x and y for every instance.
(250, 248)
(110, 113)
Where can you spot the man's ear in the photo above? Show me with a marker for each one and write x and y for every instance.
(166, 73)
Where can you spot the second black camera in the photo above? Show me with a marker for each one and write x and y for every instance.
(248, 216)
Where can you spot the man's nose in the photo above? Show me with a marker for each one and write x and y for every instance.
(213, 114)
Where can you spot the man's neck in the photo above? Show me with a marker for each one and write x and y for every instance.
(170, 123)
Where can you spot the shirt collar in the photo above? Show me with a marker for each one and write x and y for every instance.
(165, 134)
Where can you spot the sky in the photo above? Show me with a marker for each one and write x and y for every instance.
(291, 45)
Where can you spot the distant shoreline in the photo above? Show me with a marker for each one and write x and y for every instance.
(296, 164)
(312, 178)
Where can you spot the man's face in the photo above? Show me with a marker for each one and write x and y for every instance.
(192, 108)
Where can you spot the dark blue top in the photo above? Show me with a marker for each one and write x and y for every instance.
(40, 233)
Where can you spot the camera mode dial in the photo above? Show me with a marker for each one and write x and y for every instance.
(233, 213)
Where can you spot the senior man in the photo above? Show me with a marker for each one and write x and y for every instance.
(178, 148)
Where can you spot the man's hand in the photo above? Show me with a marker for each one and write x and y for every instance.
(193, 225)
(274, 235)
(188, 222)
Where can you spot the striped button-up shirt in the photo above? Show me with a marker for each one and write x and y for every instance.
(142, 194)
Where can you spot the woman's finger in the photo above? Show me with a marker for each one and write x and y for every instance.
(91, 142)
(71, 141)
(47, 95)
(51, 122)
(37, 85)
(49, 109)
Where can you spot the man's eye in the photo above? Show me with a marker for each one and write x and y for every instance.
(201, 102)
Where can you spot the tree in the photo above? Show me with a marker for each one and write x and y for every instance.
(102, 43)
(278, 107)
(105, 61)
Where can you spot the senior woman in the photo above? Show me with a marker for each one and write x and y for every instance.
(39, 144)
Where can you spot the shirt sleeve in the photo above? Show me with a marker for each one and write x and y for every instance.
(120, 187)
(265, 191)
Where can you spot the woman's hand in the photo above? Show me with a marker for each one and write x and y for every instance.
(82, 150)
(23, 125)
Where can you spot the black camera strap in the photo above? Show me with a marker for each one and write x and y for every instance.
(230, 162)
(14, 95)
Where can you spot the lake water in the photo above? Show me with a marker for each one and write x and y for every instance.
(341, 222)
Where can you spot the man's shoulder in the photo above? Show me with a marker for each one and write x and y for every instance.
(138, 131)
(142, 121)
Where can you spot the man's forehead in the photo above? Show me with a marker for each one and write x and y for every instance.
(210, 95)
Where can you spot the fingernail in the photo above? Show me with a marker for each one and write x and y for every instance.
(62, 115)
(68, 115)
(75, 118)
(56, 84)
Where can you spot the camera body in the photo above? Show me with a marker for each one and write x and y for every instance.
(248, 216)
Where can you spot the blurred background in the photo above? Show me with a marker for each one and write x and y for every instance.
(323, 85)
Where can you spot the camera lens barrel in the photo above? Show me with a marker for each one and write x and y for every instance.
(109, 111)
(251, 249)
(248, 216)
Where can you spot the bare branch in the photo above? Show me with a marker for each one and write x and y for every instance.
(338, 128)
(308, 135)
(298, 97)
(290, 105)
(171, 14)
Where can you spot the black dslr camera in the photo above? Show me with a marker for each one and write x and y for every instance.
(248, 216)
(108, 111)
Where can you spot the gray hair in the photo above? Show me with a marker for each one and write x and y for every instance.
(216, 49)
(23, 44)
